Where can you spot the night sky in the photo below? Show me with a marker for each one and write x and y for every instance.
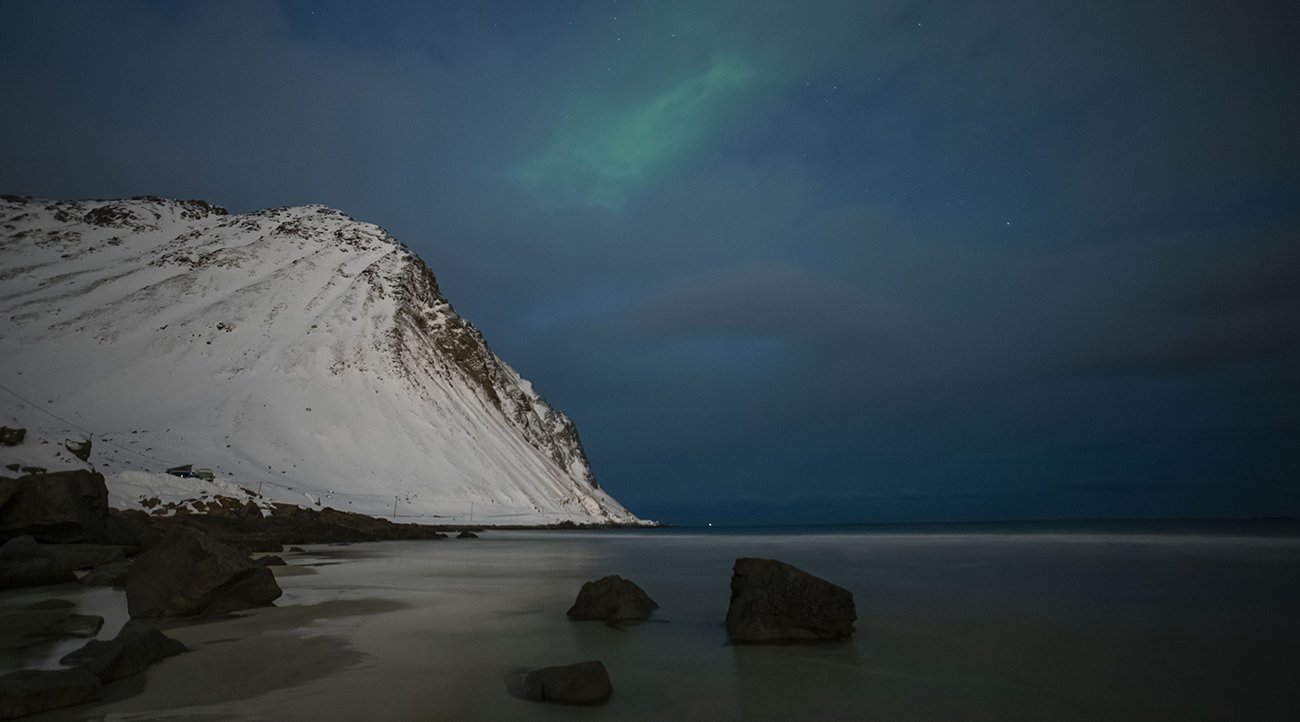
(780, 261)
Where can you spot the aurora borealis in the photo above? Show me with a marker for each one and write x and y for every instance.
(822, 261)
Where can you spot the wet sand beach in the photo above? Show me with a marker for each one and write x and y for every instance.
(951, 626)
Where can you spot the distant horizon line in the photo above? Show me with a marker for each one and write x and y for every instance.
(1271, 518)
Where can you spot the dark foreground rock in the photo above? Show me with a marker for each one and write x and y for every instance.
(74, 625)
(39, 622)
(59, 507)
(190, 573)
(23, 563)
(467, 534)
(582, 683)
(772, 601)
(30, 691)
(127, 654)
(106, 575)
(612, 599)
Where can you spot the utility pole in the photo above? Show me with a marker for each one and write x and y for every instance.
(471, 512)
(394, 508)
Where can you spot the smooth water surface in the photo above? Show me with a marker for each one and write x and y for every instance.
(952, 626)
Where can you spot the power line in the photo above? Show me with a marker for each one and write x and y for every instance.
(103, 439)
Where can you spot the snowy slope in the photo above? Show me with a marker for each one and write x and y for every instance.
(296, 352)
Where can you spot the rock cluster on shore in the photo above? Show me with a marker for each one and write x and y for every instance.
(771, 603)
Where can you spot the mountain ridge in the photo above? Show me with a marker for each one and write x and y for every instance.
(293, 349)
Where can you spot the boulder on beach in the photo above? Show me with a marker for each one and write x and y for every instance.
(23, 563)
(126, 654)
(58, 507)
(188, 573)
(582, 683)
(467, 534)
(131, 528)
(772, 601)
(30, 691)
(612, 599)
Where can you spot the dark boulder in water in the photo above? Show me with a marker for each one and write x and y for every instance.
(612, 599)
(582, 683)
(774, 602)
(190, 573)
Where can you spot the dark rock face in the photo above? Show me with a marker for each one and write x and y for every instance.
(79, 449)
(11, 437)
(123, 656)
(24, 563)
(582, 683)
(75, 625)
(38, 623)
(31, 691)
(131, 528)
(107, 575)
(467, 535)
(189, 573)
(612, 599)
(772, 601)
(59, 507)
(270, 560)
(83, 556)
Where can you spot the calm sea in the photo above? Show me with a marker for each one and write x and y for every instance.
(1073, 621)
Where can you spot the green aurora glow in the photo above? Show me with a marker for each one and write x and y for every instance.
(601, 158)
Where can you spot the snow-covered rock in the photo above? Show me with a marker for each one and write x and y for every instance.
(301, 355)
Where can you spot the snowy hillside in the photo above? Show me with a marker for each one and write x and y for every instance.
(296, 352)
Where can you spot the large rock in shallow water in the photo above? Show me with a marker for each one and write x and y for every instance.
(772, 601)
(189, 573)
(582, 683)
(59, 507)
(612, 599)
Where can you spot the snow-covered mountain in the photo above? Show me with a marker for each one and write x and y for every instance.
(296, 352)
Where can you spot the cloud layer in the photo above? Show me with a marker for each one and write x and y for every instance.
(863, 260)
